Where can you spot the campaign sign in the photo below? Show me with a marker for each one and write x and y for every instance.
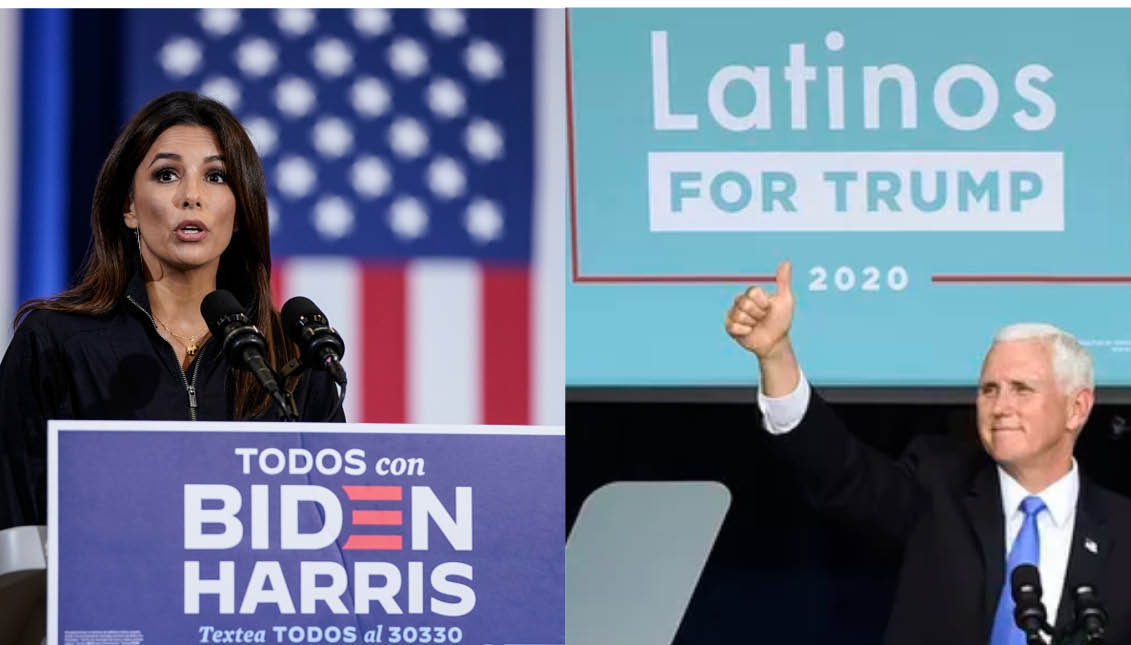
(932, 174)
(172, 532)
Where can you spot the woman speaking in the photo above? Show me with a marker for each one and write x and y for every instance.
(180, 210)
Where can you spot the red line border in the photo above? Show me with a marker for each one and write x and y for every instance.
(679, 279)
(569, 142)
(1031, 279)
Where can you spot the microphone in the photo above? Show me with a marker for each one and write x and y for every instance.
(243, 344)
(1090, 614)
(1029, 611)
(319, 345)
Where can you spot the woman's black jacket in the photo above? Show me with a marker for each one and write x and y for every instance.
(116, 366)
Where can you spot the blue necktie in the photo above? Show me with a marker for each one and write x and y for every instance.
(1026, 549)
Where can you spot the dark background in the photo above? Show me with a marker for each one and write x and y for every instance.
(97, 105)
(779, 572)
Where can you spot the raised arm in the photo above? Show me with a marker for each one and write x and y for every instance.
(840, 474)
(759, 321)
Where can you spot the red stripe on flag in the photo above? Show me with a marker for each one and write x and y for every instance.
(374, 542)
(378, 518)
(278, 284)
(383, 361)
(505, 365)
(373, 493)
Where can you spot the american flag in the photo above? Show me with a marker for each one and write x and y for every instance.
(400, 154)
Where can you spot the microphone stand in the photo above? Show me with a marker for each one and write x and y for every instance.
(290, 411)
(1035, 635)
(1079, 636)
(284, 401)
(296, 364)
(285, 404)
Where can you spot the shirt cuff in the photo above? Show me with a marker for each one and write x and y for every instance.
(784, 413)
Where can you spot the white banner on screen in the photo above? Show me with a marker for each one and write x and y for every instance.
(856, 191)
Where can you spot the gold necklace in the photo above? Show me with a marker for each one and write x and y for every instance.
(191, 347)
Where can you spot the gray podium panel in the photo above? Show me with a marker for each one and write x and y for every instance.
(634, 557)
(23, 585)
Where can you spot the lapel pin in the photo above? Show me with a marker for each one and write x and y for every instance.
(1091, 545)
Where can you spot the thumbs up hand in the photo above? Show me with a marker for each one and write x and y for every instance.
(760, 321)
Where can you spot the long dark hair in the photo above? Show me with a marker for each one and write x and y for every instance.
(245, 266)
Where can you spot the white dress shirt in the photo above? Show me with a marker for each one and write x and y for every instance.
(1054, 524)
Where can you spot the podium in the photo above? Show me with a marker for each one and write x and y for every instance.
(165, 532)
(635, 556)
(23, 585)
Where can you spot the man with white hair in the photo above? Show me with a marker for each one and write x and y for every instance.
(965, 518)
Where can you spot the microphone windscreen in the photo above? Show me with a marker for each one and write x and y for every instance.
(1026, 575)
(215, 306)
(296, 308)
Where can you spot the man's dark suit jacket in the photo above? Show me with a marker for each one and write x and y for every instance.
(942, 502)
